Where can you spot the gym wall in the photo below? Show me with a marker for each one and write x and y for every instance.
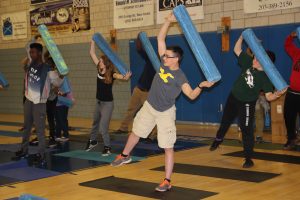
(75, 49)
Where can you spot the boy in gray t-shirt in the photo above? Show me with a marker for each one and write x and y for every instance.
(159, 109)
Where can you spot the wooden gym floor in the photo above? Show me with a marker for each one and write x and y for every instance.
(199, 173)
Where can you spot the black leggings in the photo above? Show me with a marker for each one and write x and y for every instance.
(245, 112)
(291, 110)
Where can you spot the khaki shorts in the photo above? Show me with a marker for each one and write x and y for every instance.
(148, 117)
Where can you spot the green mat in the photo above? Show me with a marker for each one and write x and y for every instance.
(96, 156)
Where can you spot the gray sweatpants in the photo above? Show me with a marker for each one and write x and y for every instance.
(102, 116)
(34, 113)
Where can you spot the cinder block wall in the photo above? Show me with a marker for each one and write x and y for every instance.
(75, 49)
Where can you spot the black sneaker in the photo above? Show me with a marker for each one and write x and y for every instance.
(259, 139)
(20, 154)
(52, 143)
(38, 159)
(248, 163)
(34, 142)
(90, 145)
(106, 151)
(290, 145)
(216, 143)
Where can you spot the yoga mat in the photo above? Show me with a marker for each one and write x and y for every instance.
(96, 156)
(145, 189)
(219, 172)
(269, 157)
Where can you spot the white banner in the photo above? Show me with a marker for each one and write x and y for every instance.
(133, 13)
(254, 6)
(14, 26)
(164, 7)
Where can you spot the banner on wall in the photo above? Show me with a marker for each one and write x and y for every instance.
(164, 7)
(32, 2)
(14, 26)
(63, 16)
(133, 13)
(254, 6)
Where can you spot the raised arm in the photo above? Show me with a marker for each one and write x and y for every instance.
(93, 53)
(161, 38)
(290, 47)
(121, 77)
(193, 94)
(238, 46)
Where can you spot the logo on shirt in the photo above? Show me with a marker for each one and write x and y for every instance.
(249, 78)
(164, 76)
(33, 75)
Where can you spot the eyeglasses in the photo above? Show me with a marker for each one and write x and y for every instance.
(167, 56)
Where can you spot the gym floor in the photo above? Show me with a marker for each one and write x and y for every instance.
(73, 173)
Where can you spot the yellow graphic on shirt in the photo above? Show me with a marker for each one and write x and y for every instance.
(164, 76)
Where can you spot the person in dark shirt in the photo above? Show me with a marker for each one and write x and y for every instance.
(104, 106)
(242, 99)
(140, 91)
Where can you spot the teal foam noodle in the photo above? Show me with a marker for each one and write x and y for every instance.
(149, 51)
(53, 50)
(263, 58)
(195, 42)
(3, 81)
(64, 101)
(107, 50)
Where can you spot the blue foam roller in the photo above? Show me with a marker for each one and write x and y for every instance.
(65, 86)
(106, 49)
(264, 59)
(53, 50)
(195, 42)
(3, 81)
(298, 32)
(64, 101)
(30, 197)
(149, 50)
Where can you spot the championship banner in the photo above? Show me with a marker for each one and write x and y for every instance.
(62, 16)
(164, 7)
(14, 26)
(133, 13)
(254, 6)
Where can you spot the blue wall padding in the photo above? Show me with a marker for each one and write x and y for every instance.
(195, 42)
(106, 49)
(3, 81)
(65, 86)
(298, 32)
(53, 50)
(261, 55)
(149, 50)
(64, 101)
